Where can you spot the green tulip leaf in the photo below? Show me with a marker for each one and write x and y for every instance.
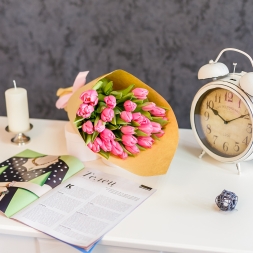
(94, 135)
(101, 107)
(134, 123)
(127, 90)
(165, 108)
(114, 120)
(98, 85)
(117, 94)
(138, 108)
(96, 120)
(147, 114)
(78, 121)
(83, 134)
(125, 98)
(101, 97)
(112, 127)
(120, 121)
(140, 147)
(160, 120)
(88, 139)
(125, 150)
(155, 137)
(104, 154)
(137, 101)
(117, 110)
(108, 88)
(140, 133)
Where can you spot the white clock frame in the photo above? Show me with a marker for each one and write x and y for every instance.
(240, 84)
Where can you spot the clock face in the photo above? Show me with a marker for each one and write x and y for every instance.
(223, 122)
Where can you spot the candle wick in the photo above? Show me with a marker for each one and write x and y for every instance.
(15, 84)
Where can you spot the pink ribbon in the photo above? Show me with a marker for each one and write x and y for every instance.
(78, 83)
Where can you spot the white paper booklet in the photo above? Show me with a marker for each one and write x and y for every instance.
(83, 208)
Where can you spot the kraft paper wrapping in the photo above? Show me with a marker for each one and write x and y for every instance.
(153, 161)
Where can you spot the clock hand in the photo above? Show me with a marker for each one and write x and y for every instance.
(242, 116)
(217, 113)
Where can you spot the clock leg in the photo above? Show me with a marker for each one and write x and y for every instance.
(238, 166)
(202, 153)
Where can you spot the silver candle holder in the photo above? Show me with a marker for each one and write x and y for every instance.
(19, 139)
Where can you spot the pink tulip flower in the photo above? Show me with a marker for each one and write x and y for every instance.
(116, 148)
(140, 119)
(128, 140)
(85, 110)
(140, 93)
(107, 115)
(149, 106)
(145, 142)
(147, 128)
(89, 97)
(126, 116)
(127, 130)
(160, 134)
(87, 127)
(110, 101)
(156, 127)
(106, 145)
(129, 106)
(107, 135)
(132, 149)
(136, 116)
(158, 112)
(95, 146)
(99, 127)
(144, 121)
(123, 156)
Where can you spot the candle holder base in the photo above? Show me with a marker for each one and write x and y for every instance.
(20, 139)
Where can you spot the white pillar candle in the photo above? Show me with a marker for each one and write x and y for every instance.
(17, 109)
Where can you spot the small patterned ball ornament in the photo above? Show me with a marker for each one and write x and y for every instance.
(226, 201)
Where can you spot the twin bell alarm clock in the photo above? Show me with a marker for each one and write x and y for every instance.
(221, 112)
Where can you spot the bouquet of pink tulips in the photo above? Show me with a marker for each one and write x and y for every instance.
(119, 122)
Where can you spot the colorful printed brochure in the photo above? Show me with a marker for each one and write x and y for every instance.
(29, 175)
(55, 195)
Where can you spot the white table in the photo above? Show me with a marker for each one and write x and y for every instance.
(180, 217)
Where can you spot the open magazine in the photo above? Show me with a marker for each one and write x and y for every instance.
(55, 195)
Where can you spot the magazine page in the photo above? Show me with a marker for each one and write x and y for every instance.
(28, 175)
(82, 209)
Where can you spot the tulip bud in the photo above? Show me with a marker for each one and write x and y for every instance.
(148, 106)
(107, 135)
(128, 140)
(132, 149)
(145, 142)
(158, 112)
(87, 127)
(127, 130)
(140, 93)
(129, 106)
(89, 97)
(110, 101)
(99, 127)
(107, 115)
(156, 127)
(126, 116)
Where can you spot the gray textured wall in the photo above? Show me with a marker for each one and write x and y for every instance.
(45, 43)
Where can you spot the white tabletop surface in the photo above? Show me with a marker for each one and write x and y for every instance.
(180, 217)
